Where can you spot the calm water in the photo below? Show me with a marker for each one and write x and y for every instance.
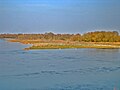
(69, 69)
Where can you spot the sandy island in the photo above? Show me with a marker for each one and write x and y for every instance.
(59, 44)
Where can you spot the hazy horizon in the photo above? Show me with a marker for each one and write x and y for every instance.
(59, 16)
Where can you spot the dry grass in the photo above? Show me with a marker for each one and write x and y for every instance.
(61, 44)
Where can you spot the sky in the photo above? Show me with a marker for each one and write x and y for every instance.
(59, 16)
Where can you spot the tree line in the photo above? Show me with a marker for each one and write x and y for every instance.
(97, 36)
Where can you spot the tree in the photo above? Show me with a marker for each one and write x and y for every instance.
(76, 37)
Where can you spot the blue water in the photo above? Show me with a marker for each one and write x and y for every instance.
(68, 69)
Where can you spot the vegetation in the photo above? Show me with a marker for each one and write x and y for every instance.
(77, 46)
(97, 36)
(101, 36)
(97, 39)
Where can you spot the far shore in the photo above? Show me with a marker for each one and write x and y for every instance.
(59, 44)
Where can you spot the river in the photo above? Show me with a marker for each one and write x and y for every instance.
(67, 69)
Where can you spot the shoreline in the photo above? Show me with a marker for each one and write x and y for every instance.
(38, 44)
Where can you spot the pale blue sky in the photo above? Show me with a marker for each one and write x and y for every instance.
(58, 16)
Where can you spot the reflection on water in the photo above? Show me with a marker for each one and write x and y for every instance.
(108, 50)
(69, 69)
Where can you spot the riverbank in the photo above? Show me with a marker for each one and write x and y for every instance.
(71, 47)
(60, 44)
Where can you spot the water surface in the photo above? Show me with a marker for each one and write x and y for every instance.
(67, 69)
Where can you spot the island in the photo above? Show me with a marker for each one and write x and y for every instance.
(96, 39)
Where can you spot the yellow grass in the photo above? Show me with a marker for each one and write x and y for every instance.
(60, 44)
